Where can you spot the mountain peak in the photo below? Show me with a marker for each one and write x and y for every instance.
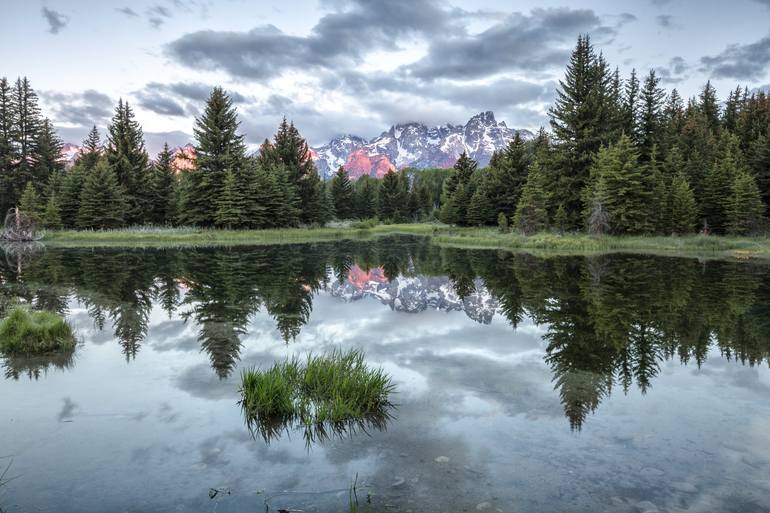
(413, 144)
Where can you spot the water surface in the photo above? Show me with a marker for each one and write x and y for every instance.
(611, 383)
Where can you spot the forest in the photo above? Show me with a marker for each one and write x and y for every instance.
(621, 156)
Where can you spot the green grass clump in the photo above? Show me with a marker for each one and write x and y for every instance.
(336, 388)
(26, 332)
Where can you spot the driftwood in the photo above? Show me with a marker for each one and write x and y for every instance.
(20, 227)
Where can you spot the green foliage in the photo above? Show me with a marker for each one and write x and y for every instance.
(162, 193)
(683, 212)
(502, 222)
(52, 214)
(229, 204)
(532, 211)
(30, 202)
(69, 195)
(621, 188)
(25, 332)
(744, 206)
(102, 203)
(458, 191)
(365, 194)
(391, 205)
(481, 210)
(342, 194)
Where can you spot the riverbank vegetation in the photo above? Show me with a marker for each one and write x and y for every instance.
(333, 389)
(26, 332)
(622, 157)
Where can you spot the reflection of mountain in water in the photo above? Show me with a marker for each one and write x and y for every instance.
(415, 294)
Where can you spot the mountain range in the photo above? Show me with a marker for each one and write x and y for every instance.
(415, 145)
(404, 145)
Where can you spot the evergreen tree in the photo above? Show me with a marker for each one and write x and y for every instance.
(229, 203)
(276, 202)
(52, 214)
(717, 186)
(458, 191)
(30, 202)
(102, 201)
(162, 187)
(744, 206)
(580, 119)
(481, 210)
(69, 195)
(91, 150)
(759, 161)
(8, 149)
(650, 116)
(128, 159)
(391, 199)
(507, 176)
(621, 188)
(293, 152)
(532, 211)
(342, 194)
(708, 105)
(219, 149)
(365, 196)
(683, 212)
(631, 107)
(49, 147)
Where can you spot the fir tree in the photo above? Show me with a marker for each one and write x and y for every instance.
(621, 188)
(102, 202)
(683, 212)
(391, 199)
(219, 149)
(229, 203)
(52, 214)
(631, 107)
(30, 202)
(744, 206)
(717, 186)
(507, 176)
(481, 211)
(49, 147)
(458, 191)
(70, 193)
(128, 159)
(650, 116)
(342, 194)
(162, 187)
(8, 149)
(708, 105)
(91, 150)
(532, 211)
(365, 194)
(759, 161)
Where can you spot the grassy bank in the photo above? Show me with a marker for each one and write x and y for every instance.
(482, 238)
(31, 333)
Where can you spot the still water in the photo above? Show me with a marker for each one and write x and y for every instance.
(587, 384)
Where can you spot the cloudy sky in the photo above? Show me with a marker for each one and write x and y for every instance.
(358, 66)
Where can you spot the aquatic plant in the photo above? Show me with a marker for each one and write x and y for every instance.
(28, 332)
(336, 390)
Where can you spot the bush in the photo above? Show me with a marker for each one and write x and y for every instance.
(502, 222)
(25, 332)
(365, 224)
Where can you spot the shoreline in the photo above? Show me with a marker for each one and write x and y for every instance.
(443, 235)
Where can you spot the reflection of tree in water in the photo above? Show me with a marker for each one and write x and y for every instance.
(610, 320)
(34, 367)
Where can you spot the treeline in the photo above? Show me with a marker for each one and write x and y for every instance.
(624, 157)
(114, 183)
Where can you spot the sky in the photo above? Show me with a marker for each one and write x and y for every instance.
(358, 66)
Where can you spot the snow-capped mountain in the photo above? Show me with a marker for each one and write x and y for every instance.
(183, 156)
(415, 145)
(415, 294)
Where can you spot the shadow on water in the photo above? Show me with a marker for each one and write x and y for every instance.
(610, 320)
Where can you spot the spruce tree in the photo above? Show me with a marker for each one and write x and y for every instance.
(708, 105)
(650, 116)
(717, 185)
(759, 161)
(219, 149)
(30, 202)
(508, 175)
(532, 211)
(631, 107)
(621, 188)
(391, 199)
(128, 159)
(70, 192)
(481, 210)
(52, 214)
(91, 150)
(458, 191)
(102, 201)
(365, 194)
(342, 194)
(294, 153)
(8, 149)
(229, 203)
(162, 187)
(744, 206)
(683, 211)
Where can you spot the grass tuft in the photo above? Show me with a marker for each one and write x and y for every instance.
(26, 332)
(335, 389)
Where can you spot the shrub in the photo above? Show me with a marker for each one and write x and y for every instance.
(25, 332)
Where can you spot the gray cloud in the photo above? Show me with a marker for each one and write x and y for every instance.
(676, 71)
(179, 98)
(157, 15)
(56, 20)
(666, 21)
(766, 3)
(742, 62)
(536, 42)
(86, 109)
(127, 11)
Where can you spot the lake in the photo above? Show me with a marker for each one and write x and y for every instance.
(523, 384)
